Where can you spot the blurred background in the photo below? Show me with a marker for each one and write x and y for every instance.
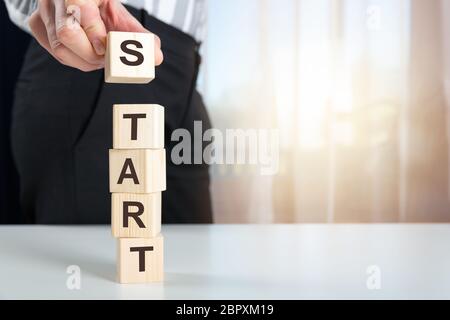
(358, 89)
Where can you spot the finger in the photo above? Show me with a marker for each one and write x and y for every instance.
(91, 21)
(72, 36)
(47, 14)
(159, 57)
(117, 18)
(39, 32)
(60, 53)
(72, 60)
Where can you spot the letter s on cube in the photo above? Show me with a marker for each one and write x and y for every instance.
(130, 57)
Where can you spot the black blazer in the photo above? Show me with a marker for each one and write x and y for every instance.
(62, 130)
(14, 45)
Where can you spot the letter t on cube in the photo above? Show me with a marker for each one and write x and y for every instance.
(138, 126)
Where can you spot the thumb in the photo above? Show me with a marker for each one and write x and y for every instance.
(117, 18)
(86, 12)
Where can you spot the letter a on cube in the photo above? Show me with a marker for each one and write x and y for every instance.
(130, 57)
(137, 170)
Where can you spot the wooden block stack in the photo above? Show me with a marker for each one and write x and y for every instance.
(137, 162)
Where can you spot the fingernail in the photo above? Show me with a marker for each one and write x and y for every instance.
(99, 47)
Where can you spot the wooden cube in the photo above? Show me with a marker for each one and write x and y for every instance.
(140, 260)
(137, 171)
(138, 126)
(129, 57)
(136, 215)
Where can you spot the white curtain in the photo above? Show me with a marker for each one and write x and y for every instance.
(356, 89)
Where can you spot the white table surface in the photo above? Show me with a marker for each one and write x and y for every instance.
(234, 262)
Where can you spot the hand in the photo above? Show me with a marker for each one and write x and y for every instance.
(74, 31)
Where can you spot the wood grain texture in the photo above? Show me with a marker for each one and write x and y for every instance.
(148, 165)
(135, 215)
(138, 126)
(140, 260)
(116, 71)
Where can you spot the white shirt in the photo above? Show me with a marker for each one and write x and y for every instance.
(188, 16)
